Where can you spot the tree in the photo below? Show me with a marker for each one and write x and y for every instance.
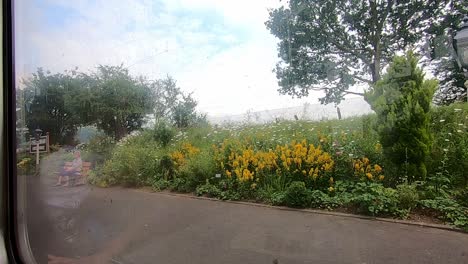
(402, 101)
(119, 101)
(184, 114)
(46, 105)
(173, 105)
(167, 95)
(331, 45)
(441, 57)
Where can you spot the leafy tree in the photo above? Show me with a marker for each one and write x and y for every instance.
(119, 101)
(402, 101)
(183, 113)
(331, 45)
(46, 105)
(173, 105)
(441, 54)
(167, 95)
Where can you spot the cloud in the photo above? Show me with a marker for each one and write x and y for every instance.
(219, 50)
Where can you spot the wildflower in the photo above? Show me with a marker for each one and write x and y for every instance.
(377, 168)
(447, 140)
(442, 120)
(365, 160)
(253, 186)
(459, 131)
(228, 173)
(357, 166)
(445, 150)
(381, 177)
(369, 175)
(331, 189)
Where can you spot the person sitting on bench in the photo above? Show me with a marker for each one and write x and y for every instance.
(72, 171)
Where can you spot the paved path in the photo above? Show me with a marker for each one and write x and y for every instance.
(81, 221)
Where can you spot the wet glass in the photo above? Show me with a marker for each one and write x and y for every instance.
(262, 131)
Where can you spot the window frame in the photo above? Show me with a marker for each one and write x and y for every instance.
(13, 226)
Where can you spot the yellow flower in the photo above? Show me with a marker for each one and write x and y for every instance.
(365, 161)
(253, 185)
(377, 168)
(369, 176)
(357, 166)
(331, 189)
(381, 177)
(228, 173)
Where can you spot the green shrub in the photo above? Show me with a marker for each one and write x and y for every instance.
(163, 133)
(131, 165)
(101, 147)
(297, 195)
(462, 197)
(375, 199)
(322, 200)
(270, 195)
(450, 149)
(402, 100)
(229, 189)
(407, 196)
(199, 168)
(208, 190)
(159, 184)
(181, 185)
(451, 211)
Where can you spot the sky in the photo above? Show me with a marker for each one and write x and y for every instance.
(219, 50)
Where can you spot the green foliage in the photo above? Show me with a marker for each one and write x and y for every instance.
(322, 200)
(375, 199)
(449, 156)
(184, 114)
(141, 160)
(208, 190)
(408, 196)
(109, 99)
(167, 167)
(323, 42)
(462, 197)
(120, 101)
(199, 169)
(46, 101)
(181, 185)
(163, 133)
(159, 184)
(446, 68)
(402, 102)
(229, 190)
(451, 211)
(173, 105)
(100, 146)
(297, 195)
(133, 165)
